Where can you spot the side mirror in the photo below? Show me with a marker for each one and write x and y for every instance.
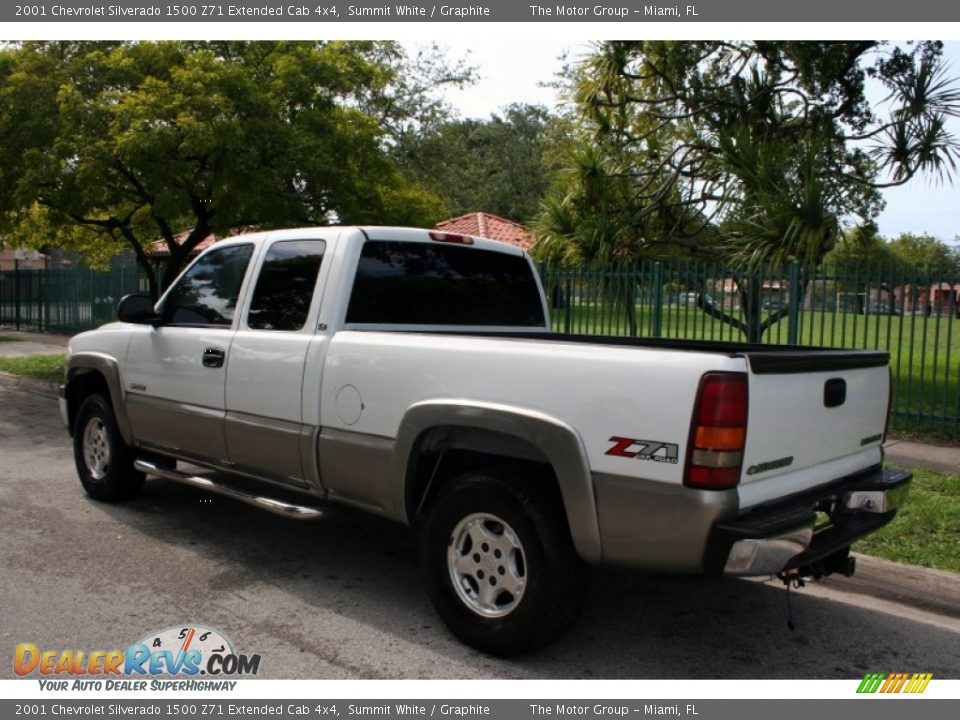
(137, 309)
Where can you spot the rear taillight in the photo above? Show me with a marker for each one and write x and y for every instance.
(718, 432)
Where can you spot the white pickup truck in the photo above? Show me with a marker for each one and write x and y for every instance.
(413, 374)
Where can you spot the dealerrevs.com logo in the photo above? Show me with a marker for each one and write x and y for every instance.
(186, 651)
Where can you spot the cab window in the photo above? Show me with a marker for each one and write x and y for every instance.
(207, 292)
(281, 299)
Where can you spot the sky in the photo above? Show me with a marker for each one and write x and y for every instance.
(513, 72)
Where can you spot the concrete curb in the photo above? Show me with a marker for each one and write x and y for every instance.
(936, 591)
(21, 382)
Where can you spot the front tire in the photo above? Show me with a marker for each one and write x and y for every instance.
(499, 563)
(104, 461)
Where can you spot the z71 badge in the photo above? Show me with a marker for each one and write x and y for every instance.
(644, 450)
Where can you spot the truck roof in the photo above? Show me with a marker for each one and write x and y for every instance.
(361, 233)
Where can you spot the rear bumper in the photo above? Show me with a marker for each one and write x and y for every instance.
(806, 529)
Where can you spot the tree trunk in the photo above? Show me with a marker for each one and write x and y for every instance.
(150, 272)
(180, 253)
(143, 260)
(750, 303)
(172, 267)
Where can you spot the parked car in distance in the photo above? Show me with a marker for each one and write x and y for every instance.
(883, 308)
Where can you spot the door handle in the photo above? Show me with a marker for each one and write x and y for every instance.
(213, 357)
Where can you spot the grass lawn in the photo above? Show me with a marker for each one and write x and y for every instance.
(926, 530)
(41, 367)
(5, 338)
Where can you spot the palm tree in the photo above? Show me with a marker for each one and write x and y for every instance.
(749, 152)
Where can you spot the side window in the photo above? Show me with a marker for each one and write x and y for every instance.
(281, 299)
(207, 293)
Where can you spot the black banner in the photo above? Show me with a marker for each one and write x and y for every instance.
(367, 709)
(610, 11)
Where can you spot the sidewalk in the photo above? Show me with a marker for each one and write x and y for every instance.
(912, 455)
(16, 343)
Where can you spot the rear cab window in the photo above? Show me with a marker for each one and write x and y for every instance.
(415, 283)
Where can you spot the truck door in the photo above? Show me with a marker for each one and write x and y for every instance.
(175, 373)
(265, 432)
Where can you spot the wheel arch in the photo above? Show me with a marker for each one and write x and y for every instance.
(501, 432)
(89, 373)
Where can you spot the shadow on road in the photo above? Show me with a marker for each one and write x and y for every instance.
(634, 626)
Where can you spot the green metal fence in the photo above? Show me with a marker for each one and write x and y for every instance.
(64, 301)
(913, 313)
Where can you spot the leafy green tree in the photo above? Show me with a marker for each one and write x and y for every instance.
(111, 145)
(921, 251)
(861, 245)
(860, 256)
(747, 151)
(493, 165)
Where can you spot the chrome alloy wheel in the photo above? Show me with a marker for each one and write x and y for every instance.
(96, 448)
(487, 565)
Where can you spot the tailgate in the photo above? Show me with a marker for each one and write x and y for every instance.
(814, 417)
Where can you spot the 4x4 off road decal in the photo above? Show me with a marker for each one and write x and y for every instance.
(644, 450)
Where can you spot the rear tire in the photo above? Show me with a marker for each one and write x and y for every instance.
(104, 461)
(499, 563)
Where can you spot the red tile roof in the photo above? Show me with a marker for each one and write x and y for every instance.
(160, 249)
(490, 226)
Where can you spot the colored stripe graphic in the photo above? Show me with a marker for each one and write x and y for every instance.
(894, 683)
(920, 682)
(870, 683)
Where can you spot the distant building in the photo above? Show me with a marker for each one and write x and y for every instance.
(937, 298)
(23, 259)
(490, 226)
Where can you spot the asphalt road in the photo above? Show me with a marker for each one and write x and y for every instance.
(341, 598)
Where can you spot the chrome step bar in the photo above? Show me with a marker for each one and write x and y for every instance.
(277, 507)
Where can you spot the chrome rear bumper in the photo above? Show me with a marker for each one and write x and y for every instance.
(791, 535)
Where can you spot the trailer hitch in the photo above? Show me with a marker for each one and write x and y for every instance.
(838, 562)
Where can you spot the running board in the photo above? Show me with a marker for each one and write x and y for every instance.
(277, 507)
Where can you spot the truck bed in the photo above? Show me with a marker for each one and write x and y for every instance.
(798, 436)
(764, 359)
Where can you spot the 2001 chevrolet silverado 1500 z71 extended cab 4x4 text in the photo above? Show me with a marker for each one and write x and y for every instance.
(413, 374)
